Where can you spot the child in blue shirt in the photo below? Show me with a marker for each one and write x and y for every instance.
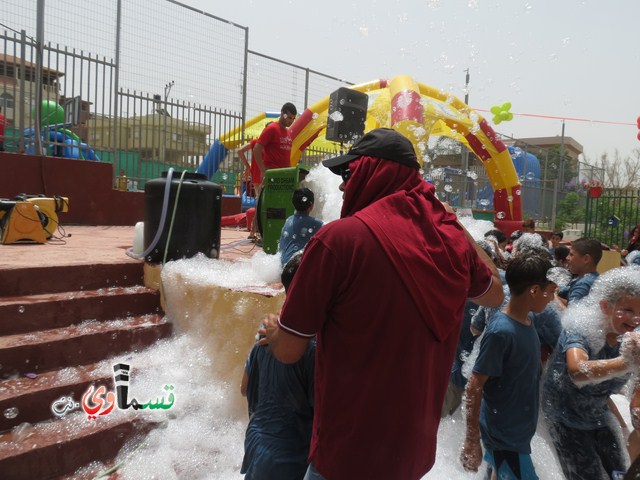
(583, 259)
(280, 399)
(596, 353)
(502, 394)
(299, 227)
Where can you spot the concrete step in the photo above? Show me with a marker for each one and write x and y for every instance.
(81, 344)
(53, 449)
(36, 280)
(28, 313)
(30, 400)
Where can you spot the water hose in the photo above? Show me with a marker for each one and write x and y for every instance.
(163, 217)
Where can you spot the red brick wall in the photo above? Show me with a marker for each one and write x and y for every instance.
(87, 184)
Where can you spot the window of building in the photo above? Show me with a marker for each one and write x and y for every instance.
(7, 100)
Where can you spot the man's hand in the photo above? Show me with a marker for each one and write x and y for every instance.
(268, 329)
(471, 455)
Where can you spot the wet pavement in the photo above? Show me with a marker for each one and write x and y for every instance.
(91, 245)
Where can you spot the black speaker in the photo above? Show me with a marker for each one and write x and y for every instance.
(347, 115)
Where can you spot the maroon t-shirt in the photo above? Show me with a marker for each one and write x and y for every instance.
(277, 146)
(381, 372)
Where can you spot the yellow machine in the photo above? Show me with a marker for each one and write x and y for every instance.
(30, 218)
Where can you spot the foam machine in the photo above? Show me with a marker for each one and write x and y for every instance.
(32, 218)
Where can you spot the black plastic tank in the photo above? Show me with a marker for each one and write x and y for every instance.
(196, 226)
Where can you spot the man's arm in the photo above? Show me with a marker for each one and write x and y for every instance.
(471, 455)
(286, 347)
(257, 156)
(494, 296)
(243, 157)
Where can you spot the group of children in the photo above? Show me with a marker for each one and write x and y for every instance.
(590, 355)
(595, 350)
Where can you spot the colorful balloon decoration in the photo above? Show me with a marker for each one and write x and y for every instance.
(638, 128)
(502, 113)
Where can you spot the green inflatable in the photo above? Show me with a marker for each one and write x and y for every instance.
(52, 113)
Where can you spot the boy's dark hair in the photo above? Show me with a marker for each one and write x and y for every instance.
(529, 223)
(524, 271)
(588, 246)
(497, 234)
(289, 108)
(302, 199)
(558, 234)
(561, 252)
(290, 269)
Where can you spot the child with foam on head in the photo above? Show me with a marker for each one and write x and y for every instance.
(502, 393)
(596, 353)
(299, 227)
(280, 399)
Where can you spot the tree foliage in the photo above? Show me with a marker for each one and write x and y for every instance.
(620, 172)
(569, 212)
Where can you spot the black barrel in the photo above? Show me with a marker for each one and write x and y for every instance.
(196, 227)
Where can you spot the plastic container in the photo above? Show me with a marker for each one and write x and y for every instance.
(138, 238)
(196, 227)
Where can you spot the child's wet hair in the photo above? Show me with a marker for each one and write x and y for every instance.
(524, 271)
(290, 269)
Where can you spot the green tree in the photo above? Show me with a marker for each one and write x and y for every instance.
(570, 212)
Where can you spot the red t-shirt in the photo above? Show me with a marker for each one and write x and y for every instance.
(381, 374)
(277, 146)
(3, 124)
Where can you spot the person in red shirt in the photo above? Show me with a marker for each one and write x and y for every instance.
(3, 124)
(273, 148)
(252, 172)
(384, 289)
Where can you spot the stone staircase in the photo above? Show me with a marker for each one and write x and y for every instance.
(56, 325)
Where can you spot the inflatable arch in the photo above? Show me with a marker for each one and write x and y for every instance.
(417, 111)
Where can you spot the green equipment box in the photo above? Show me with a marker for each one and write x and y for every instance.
(275, 203)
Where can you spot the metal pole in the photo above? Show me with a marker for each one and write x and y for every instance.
(21, 97)
(165, 113)
(116, 94)
(554, 204)
(465, 154)
(562, 158)
(306, 88)
(39, 58)
(544, 185)
(244, 79)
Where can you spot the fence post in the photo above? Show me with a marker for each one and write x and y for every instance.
(244, 81)
(554, 205)
(39, 59)
(306, 88)
(115, 140)
(23, 56)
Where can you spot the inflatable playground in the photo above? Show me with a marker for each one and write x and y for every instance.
(59, 140)
(417, 111)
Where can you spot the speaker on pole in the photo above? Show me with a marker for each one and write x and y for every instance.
(347, 115)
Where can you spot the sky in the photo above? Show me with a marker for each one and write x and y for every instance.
(571, 59)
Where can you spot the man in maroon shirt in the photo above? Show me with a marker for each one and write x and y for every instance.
(384, 290)
(273, 148)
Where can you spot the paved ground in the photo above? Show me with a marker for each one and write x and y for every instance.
(95, 245)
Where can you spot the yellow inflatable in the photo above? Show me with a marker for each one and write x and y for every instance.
(418, 111)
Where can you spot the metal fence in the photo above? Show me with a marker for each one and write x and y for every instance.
(149, 85)
(155, 84)
(611, 215)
